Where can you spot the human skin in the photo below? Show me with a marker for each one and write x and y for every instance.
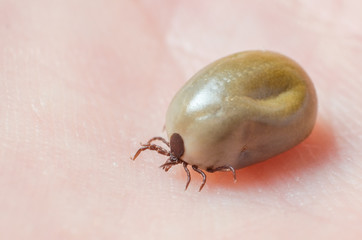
(83, 82)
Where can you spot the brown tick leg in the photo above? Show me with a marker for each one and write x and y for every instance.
(223, 169)
(188, 175)
(168, 164)
(152, 147)
(158, 138)
(196, 169)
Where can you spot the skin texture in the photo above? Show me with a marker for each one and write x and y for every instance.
(83, 82)
(243, 109)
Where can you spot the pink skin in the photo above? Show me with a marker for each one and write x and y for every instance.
(82, 83)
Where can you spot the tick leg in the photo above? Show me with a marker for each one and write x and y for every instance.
(188, 175)
(160, 139)
(152, 147)
(223, 169)
(196, 169)
(167, 165)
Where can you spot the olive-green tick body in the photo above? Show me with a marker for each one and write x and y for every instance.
(239, 110)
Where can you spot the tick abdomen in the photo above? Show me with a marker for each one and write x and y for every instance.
(243, 109)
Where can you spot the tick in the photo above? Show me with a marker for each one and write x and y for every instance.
(237, 111)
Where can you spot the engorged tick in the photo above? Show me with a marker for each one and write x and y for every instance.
(239, 110)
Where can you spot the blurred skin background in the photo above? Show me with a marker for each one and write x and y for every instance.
(83, 82)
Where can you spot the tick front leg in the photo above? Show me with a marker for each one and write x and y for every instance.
(152, 147)
(196, 169)
(160, 139)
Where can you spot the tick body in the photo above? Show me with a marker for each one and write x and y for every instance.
(239, 110)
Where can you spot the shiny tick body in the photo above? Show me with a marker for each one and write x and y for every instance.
(237, 111)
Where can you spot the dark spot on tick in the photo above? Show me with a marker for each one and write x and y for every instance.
(177, 145)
